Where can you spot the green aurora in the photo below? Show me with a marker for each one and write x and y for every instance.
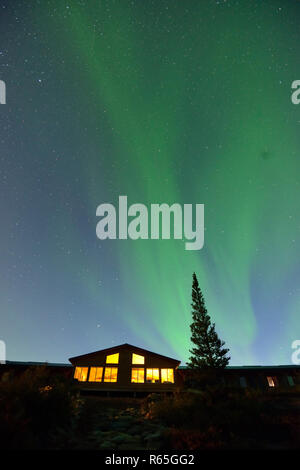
(184, 102)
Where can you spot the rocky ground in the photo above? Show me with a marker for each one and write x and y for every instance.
(122, 424)
(118, 424)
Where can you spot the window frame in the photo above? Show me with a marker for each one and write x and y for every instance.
(137, 356)
(110, 381)
(168, 369)
(243, 381)
(291, 380)
(273, 382)
(79, 376)
(96, 372)
(138, 369)
(111, 355)
(152, 369)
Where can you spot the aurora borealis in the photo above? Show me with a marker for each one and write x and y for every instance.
(166, 102)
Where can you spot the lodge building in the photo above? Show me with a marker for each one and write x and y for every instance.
(127, 368)
(123, 368)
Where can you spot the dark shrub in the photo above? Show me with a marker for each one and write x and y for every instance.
(216, 417)
(36, 409)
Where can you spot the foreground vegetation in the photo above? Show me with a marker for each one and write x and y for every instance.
(224, 418)
(37, 409)
(42, 411)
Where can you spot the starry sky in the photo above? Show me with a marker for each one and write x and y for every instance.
(162, 101)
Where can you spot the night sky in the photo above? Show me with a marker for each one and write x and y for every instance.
(162, 101)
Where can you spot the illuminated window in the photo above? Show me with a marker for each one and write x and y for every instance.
(137, 359)
(96, 374)
(138, 375)
(167, 376)
(152, 375)
(110, 374)
(77, 372)
(112, 359)
(81, 373)
(272, 381)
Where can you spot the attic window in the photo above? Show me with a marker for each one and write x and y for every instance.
(112, 359)
(137, 359)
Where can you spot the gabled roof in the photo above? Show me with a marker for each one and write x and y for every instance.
(138, 350)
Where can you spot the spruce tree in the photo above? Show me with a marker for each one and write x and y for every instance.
(208, 351)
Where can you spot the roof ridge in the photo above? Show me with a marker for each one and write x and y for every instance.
(121, 346)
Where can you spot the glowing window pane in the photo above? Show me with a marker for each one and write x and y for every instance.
(137, 359)
(137, 375)
(271, 381)
(152, 375)
(110, 374)
(77, 372)
(81, 374)
(112, 359)
(167, 376)
(96, 374)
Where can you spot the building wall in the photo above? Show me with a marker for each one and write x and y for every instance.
(256, 377)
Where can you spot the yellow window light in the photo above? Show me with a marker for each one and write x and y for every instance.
(152, 375)
(96, 374)
(137, 359)
(112, 359)
(138, 376)
(81, 374)
(271, 381)
(77, 373)
(110, 374)
(167, 376)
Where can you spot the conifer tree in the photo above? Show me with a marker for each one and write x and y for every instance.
(208, 351)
